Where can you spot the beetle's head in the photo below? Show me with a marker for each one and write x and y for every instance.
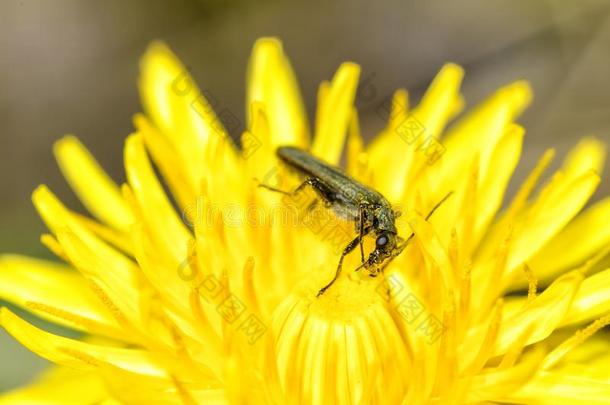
(385, 246)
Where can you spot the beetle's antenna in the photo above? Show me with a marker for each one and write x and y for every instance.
(438, 204)
(400, 248)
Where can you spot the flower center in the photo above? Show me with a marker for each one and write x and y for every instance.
(335, 345)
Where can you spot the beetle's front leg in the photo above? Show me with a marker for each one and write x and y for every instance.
(361, 218)
(351, 246)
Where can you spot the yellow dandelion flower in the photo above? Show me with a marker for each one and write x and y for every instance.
(208, 295)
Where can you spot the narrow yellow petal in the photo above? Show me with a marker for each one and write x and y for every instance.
(579, 338)
(418, 136)
(592, 299)
(546, 311)
(180, 110)
(504, 226)
(579, 240)
(397, 108)
(497, 383)
(377, 151)
(334, 114)
(556, 388)
(99, 262)
(161, 219)
(442, 100)
(168, 160)
(58, 386)
(74, 353)
(117, 239)
(589, 359)
(135, 388)
(271, 82)
(589, 154)
(260, 158)
(480, 131)
(56, 293)
(89, 182)
(355, 147)
(434, 250)
(550, 216)
(502, 165)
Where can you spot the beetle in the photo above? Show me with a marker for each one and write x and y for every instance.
(352, 200)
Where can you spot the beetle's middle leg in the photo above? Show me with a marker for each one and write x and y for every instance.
(351, 246)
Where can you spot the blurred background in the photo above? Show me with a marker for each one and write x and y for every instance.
(70, 66)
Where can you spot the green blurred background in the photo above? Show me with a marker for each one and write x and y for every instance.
(70, 66)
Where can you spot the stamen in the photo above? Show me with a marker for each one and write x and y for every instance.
(528, 185)
(86, 324)
(516, 348)
(490, 339)
(185, 396)
(108, 303)
(532, 283)
(249, 288)
(577, 339)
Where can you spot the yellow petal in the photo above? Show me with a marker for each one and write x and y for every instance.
(76, 354)
(588, 155)
(261, 160)
(592, 299)
(433, 249)
(578, 241)
(271, 82)
(397, 109)
(135, 388)
(165, 156)
(442, 100)
(480, 131)
(414, 137)
(423, 147)
(549, 216)
(493, 187)
(56, 293)
(334, 114)
(177, 107)
(556, 205)
(355, 147)
(89, 181)
(546, 311)
(104, 266)
(578, 338)
(161, 219)
(59, 386)
(497, 383)
(117, 239)
(555, 388)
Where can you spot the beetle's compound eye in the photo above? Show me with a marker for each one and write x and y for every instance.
(382, 240)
